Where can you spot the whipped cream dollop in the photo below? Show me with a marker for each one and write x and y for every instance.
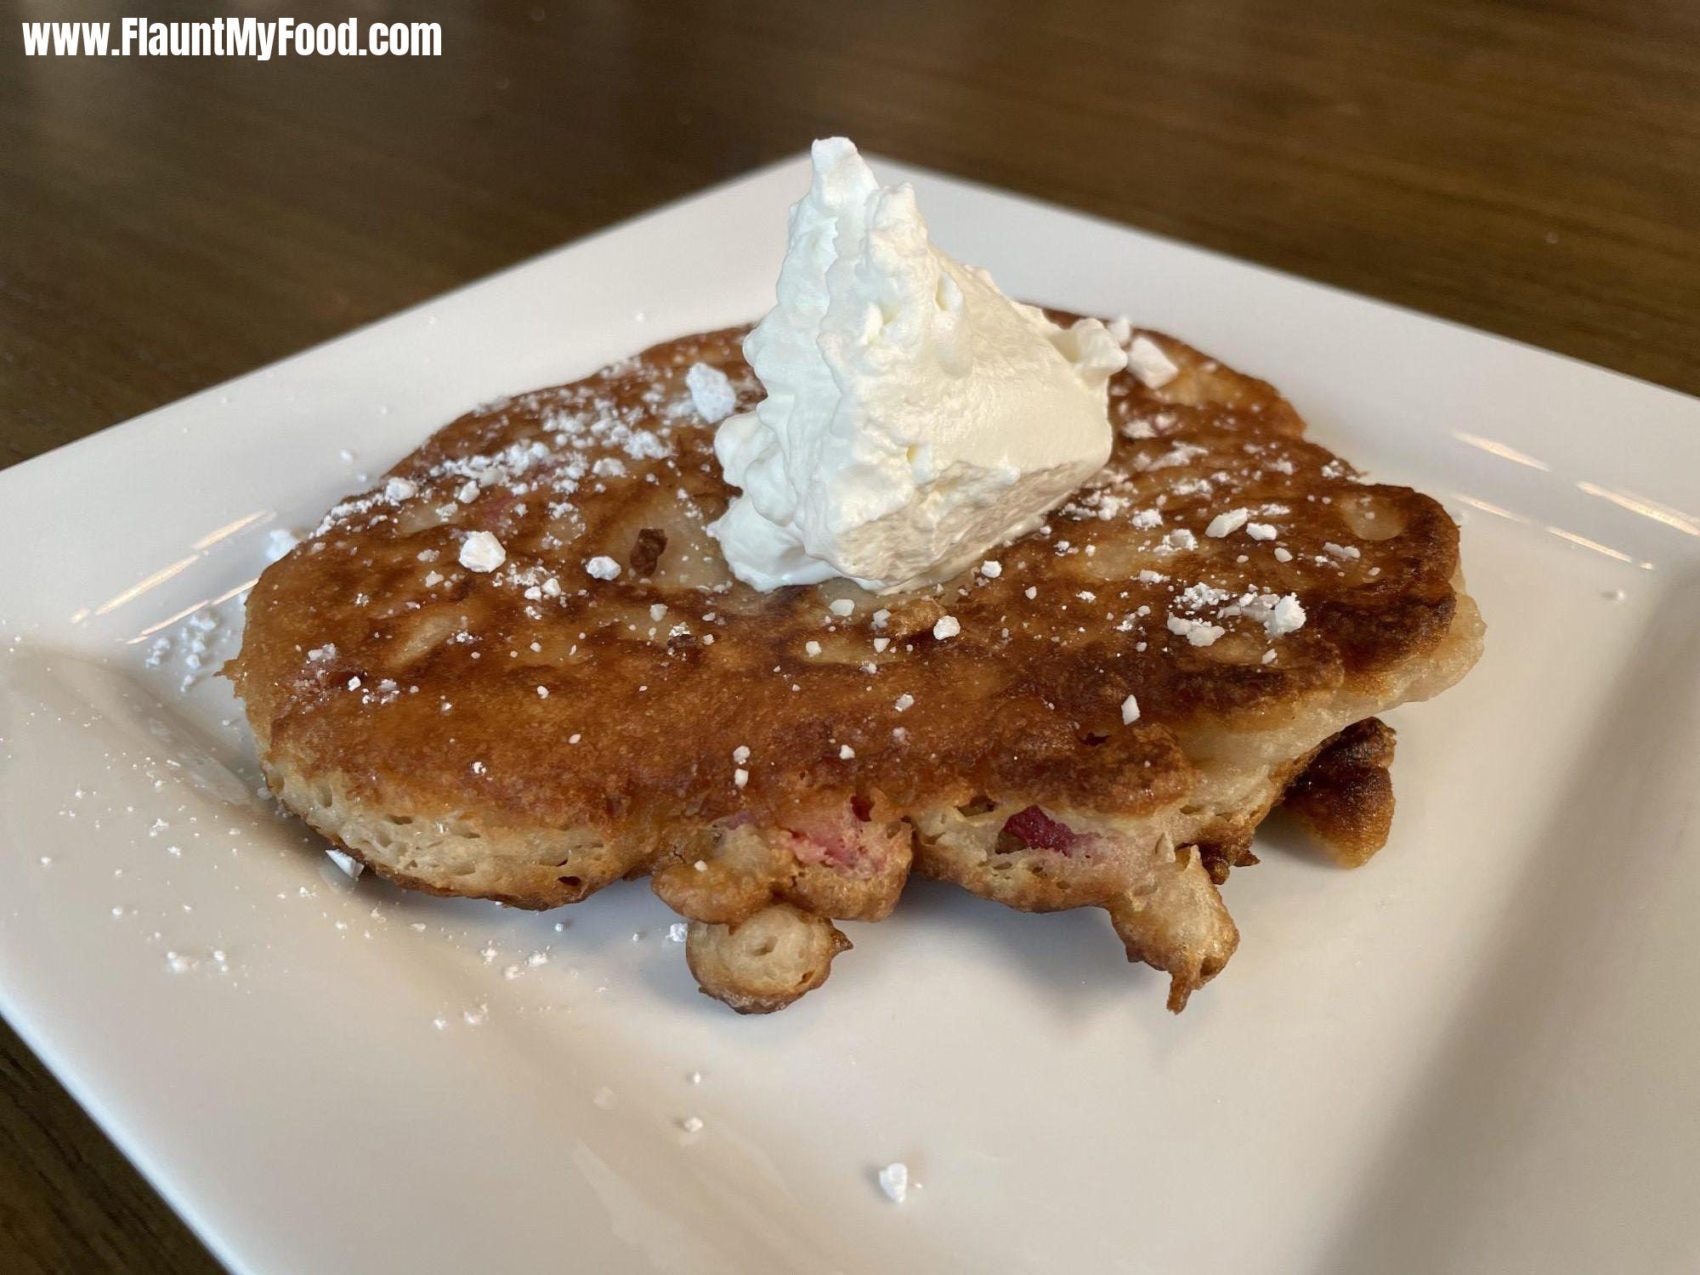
(915, 416)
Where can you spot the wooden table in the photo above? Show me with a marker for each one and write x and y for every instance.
(166, 224)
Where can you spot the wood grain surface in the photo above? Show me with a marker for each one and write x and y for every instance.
(1528, 168)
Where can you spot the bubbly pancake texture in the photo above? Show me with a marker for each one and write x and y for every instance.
(1098, 715)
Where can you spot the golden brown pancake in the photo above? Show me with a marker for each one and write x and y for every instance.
(1132, 687)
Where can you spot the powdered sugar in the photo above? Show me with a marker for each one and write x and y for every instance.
(1225, 524)
(711, 393)
(482, 552)
(1146, 360)
(1197, 632)
(1279, 614)
(894, 1181)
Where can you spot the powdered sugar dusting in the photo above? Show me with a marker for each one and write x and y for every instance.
(1146, 360)
(482, 552)
(711, 392)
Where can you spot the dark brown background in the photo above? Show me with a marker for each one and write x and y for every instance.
(1532, 169)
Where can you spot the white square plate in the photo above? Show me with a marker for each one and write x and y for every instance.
(1476, 1052)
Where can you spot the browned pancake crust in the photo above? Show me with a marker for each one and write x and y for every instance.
(423, 697)
(1345, 795)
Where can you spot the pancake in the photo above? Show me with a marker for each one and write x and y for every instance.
(518, 669)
